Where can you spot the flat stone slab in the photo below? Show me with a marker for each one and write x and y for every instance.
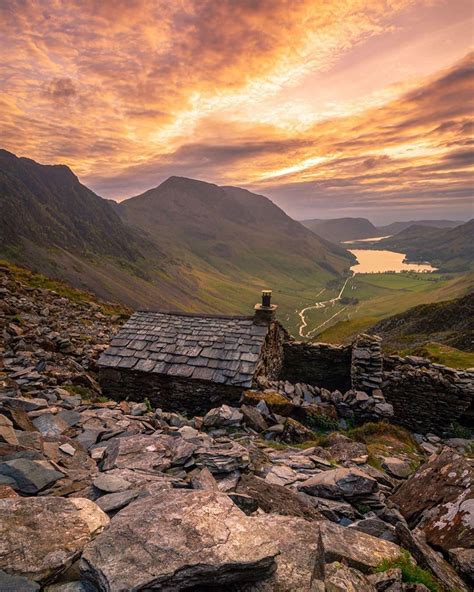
(29, 476)
(176, 539)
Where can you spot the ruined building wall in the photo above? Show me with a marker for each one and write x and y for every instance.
(191, 397)
(318, 364)
(427, 397)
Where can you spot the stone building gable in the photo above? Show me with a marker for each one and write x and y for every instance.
(219, 349)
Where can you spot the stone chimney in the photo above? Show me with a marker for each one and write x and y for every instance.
(265, 312)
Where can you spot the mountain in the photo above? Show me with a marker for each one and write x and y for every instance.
(396, 227)
(448, 249)
(48, 206)
(423, 328)
(342, 229)
(231, 231)
(185, 245)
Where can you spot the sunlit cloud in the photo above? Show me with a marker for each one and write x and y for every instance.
(349, 105)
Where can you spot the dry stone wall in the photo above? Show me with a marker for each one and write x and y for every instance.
(427, 397)
(319, 364)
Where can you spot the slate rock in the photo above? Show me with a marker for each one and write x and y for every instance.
(440, 497)
(50, 426)
(175, 540)
(110, 483)
(29, 476)
(429, 559)
(356, 549)
(340, 484)
(276, 499)
(300, 563)
(116, 501)
(10, 583)
(253, 418)
(41, 537)
(401, 469)
(340, 578)
(386, 579)
(223, 416)
(463, 561)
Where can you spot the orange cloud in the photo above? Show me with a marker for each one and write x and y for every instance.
(130, 91)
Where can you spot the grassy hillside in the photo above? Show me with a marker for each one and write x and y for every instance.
(208, 249)
(342, 229)
(451, 250)
(379, 296)
(396, 227)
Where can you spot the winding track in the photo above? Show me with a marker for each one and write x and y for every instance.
(321, 304)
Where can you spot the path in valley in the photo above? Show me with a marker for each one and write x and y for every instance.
(321, 304)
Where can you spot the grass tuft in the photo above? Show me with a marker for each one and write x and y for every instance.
(411, 573)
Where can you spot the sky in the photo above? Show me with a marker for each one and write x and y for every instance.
(331, 109)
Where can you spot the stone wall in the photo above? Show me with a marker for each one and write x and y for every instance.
(427, 397)
(366, 367)
(191, 397)
(318, 364)
(271, 358)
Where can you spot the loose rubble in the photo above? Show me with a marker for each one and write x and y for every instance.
(104, 495)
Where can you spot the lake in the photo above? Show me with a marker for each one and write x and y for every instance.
(370, 261)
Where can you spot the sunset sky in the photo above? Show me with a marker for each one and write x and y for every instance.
(329, 107)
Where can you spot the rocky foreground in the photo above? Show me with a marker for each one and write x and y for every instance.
(99, 495)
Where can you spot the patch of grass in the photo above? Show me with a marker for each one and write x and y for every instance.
(75, 389)
(411, 573)
(444, 354)
(149, 406)
(39, 281)
(374, 432)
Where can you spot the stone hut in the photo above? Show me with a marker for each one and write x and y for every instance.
(192, 362)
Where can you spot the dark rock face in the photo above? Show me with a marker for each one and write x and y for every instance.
(176, 540)
(439, 499)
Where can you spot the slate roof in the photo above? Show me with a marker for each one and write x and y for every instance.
(218, 349)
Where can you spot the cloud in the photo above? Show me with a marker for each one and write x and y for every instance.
(132, 91)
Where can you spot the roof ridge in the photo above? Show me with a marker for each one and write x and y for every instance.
(199, 315)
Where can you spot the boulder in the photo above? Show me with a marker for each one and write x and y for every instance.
(223, 416)
(397, 467)
(276, 499)
(222, 458)
(111, 483)
(176, 540)
(139, 452)
(356, 549)
(41, 537)
(340, 578)
(340, 483)
(429, 559)
(300, 564)
(295, 432)
(29, 476)
(439, 498)
(116, 501)
(253, 418)
(50, 426)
